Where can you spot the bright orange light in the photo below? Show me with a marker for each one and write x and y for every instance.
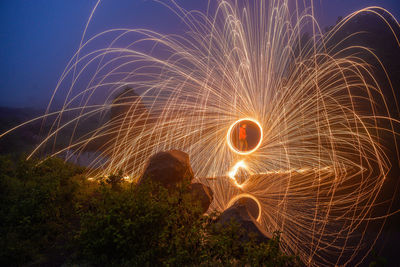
(234, 170)
(229, 136)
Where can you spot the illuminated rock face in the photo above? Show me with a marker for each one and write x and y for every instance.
(168, 168)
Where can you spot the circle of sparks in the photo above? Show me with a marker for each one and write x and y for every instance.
(229, 137)
(245, 195)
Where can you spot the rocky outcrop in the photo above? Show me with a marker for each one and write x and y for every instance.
(168, 168)
(240, 214)
(203, 194)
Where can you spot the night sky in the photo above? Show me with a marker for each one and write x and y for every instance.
(38, 37)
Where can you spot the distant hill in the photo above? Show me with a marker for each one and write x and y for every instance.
(22, 140)
(26, 138)
(10, 116)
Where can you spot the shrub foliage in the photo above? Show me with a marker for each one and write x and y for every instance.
(52, 215)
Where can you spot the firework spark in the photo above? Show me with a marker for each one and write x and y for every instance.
(319, 166)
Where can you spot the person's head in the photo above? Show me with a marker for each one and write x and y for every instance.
(244, 125)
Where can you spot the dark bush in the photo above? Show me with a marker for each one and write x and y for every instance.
(148, 225)
(52, 215)
(37, 209)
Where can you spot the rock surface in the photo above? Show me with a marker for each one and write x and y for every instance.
(251, 206)
(203, 194)
(168, 168)
(239, 213)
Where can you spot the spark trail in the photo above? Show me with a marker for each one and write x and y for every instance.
(320, 165)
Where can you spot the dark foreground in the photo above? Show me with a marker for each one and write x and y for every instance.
(52, 215)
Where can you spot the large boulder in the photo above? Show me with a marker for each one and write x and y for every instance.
(203, 194)
(239, 213)
(168, 168)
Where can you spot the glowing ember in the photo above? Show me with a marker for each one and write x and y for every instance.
(234, 171)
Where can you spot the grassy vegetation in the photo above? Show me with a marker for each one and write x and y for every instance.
(52, 215)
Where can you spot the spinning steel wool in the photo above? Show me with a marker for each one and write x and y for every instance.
(319, 164)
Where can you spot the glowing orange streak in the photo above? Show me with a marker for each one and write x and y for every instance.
(234, 170)
(228, 137)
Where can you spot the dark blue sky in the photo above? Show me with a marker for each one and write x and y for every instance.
(38, 37)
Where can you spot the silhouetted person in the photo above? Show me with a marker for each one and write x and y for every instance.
(243, 146)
